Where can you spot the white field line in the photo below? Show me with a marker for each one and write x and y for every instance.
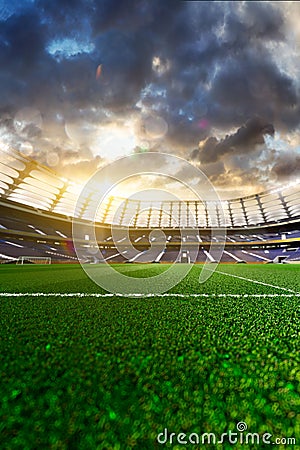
(109, 295)
(257, 282)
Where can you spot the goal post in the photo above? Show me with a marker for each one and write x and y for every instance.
(33, 260)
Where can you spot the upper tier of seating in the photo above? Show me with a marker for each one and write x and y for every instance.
(24, 181)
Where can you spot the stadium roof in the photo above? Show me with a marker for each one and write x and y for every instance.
(25, 181)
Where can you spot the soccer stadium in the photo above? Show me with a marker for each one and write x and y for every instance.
(149, 225)
(235, 334)
(37, 209)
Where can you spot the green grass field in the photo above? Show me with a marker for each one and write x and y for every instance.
(85, 371)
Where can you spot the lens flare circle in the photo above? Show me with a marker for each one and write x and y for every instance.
(155, 127)
(158, 164)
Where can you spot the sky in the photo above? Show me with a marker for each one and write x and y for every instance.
(84, 82)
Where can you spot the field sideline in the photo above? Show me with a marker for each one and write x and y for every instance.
(82, 369)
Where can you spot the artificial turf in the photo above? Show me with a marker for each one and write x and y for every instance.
(111, 373)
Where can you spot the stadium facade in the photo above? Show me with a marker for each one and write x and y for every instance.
(38, 208)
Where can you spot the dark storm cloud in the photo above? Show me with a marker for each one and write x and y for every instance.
(26, 72)
(131, 15)
(216, 67)
(257, 22)
(118, 14)
(123, 77)
(287, 165)
(182, 130)
(64, 16)
(23, 41)
(232, 58)
(128, 34)
(243, 141)
(249, 85)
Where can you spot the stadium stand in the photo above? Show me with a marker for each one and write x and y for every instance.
(38, 207)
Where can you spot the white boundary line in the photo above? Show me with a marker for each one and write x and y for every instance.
(257, 282)
(95, 295)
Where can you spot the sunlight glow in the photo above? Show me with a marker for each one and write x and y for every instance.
(113, 142)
